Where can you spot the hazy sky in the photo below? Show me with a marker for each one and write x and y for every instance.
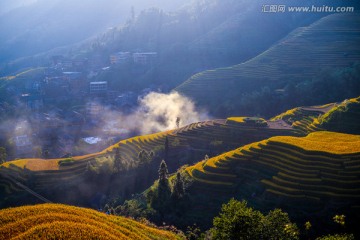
(7, 5)
(33, 26)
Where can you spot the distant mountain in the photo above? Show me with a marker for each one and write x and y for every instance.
(31, 27)
(201, 35)
(305, 62)
(8, 5)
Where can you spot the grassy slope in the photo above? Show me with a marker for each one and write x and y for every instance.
(55, 221)
(301, 55)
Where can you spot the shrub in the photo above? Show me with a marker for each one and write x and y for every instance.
(337, 237)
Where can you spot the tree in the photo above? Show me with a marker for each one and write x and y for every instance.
(337, 237)
(178, 190)
(3, 155)
(163, 171)
(277, 225)
(238, 221)
(178, 199)
(162, 194)
(308, 229)
(340, 219)
(178, 122)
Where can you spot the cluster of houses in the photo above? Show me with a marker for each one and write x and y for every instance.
(68, 80)
(143, 58)
(71, 79)
(98, 62)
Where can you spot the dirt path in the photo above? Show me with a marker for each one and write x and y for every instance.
(279, 124)
(323, 109)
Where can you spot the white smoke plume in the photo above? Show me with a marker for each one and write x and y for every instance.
(156, 112)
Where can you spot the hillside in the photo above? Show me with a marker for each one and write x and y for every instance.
(342, 118)
(328, 44)
(75, 180)
(54, 24)
(305, 174)
(78, 176)
(55, 221)
(337, 117)
(310, 177)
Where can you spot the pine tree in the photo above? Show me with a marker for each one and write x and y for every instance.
(178, 191)
(163, 171)
(178, 122)
(162, 197)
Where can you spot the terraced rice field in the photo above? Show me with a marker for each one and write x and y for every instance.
(55, 221)
(343, 117)
(331, 42)
(301, 119)
(24, 74)
(47, 173)
(193, 141)
(197, 137)
(323, 167)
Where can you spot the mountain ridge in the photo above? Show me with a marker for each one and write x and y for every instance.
(303, 53)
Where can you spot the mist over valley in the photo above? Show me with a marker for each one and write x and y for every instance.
(199, 119)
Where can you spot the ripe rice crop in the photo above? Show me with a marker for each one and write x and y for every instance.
(330, 142)
(56, 221)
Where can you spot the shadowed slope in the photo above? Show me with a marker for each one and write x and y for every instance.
(331, 42)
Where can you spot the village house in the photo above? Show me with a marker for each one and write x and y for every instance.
(98, 87)
(144, 58)
(120, 57)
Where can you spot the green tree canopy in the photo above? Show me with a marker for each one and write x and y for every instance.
(238, 221)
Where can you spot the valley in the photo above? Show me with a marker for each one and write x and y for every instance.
(199, 120)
